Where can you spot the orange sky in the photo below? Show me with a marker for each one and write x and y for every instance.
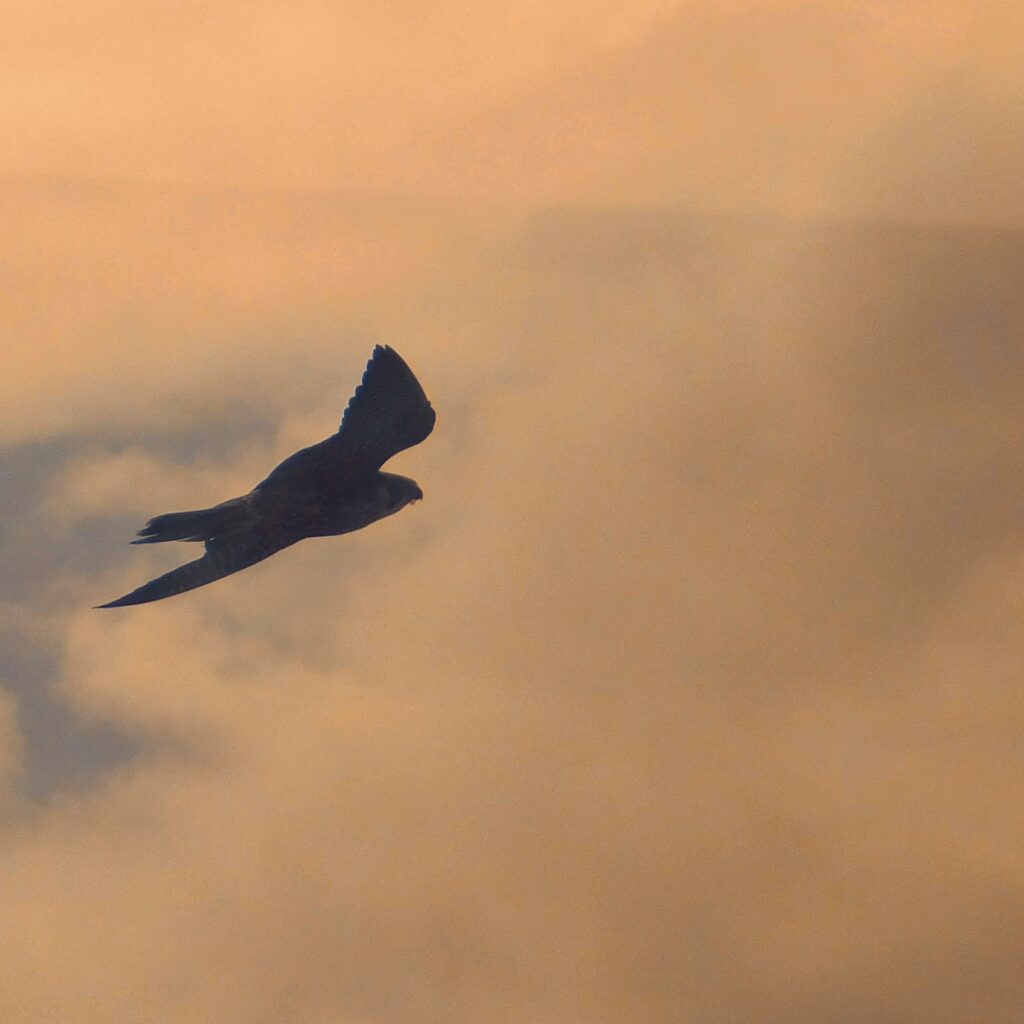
(691, 690)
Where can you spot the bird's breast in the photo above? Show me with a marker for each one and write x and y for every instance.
(322, 510)
(328, 518)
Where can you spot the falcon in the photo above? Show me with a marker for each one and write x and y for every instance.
(327, 489)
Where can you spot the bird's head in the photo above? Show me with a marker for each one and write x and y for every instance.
(397, 491)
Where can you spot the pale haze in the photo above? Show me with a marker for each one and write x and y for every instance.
(691, 691)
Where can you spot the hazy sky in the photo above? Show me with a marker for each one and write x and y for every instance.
(691, 691)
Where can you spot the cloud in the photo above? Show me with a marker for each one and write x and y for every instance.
(684, 693)
(10, 750)
(731, 104)
(689, 692)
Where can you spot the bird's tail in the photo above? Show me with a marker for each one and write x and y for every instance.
(202, 524)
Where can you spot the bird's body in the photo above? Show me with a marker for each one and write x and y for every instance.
(329, 488)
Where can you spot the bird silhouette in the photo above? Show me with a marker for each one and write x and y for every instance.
(329, 488)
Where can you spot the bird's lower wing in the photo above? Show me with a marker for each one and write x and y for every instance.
(223, 557)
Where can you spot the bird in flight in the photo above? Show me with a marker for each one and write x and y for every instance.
(330, 488)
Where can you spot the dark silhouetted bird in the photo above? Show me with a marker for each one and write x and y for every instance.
(329, 488)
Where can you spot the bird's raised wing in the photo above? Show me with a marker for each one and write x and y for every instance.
(224, 555)
(388, 413)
